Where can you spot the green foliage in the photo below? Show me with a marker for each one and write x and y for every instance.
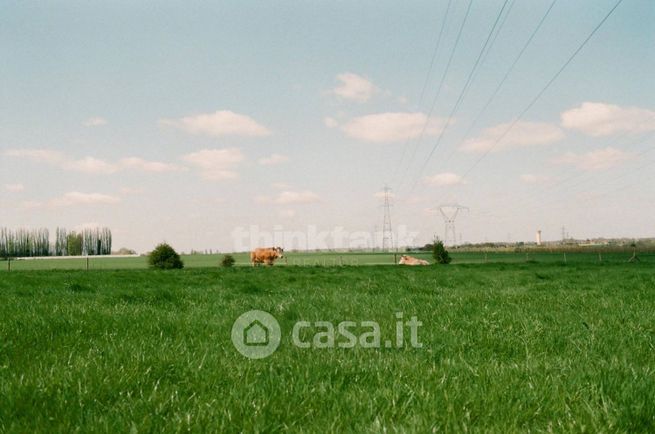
(36, 242)
(331, 259)
(439, 253)
(96, 241)
(61, 243)
(24, 243)
(227, 261)
(74, 244)
(164, 257)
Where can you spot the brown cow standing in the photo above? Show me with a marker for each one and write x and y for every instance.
(266, 255)
(410, 260)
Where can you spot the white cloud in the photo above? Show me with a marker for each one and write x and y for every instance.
(443, 179)
(218, 124)
(87, 225)
(128, 191)
(38, 155)
(413, 200)
(530, 178)
(216, 164)
(599, 119)
(90, 165)
(31, 204)
(281, 185)
(95, 121)
(77, 198)
(381, 194)
(353, 87)
(330, 122)
(288, 197)
(521, 135)
(392, 127)
(287, 213)
(595, 160)
(56, 158)
(273, 159)
(149, 166)
(14, 188)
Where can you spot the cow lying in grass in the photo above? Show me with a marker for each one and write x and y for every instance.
(266, 255)
(410, 260)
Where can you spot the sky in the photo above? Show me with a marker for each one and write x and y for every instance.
(228, 125)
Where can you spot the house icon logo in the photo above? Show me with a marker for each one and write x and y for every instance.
(256, 334)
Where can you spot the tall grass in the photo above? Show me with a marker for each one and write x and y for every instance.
(506, 348)
(335, 259)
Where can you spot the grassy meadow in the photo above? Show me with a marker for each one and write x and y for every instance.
(328, 259)
(506, 348)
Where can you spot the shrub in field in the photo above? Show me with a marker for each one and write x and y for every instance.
(227, 261)
(164, 257)
(439, 253)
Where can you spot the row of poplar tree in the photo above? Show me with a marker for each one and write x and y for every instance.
(36, 242)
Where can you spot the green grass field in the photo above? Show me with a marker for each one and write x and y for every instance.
(506, 348)
(327, 259)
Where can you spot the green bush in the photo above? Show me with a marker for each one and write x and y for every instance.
(227, 261)
(164, 257)
(439, 253)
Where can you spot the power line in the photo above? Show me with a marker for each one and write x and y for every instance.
(461, 95)
(606, 182)
(550, 188)
(603, 185)
(500, 27)
(434, 54)
(503, 80)
(606, 192)
(427, 80)
(439, 88)
(543, 90)
(579, 174)
(638, 169)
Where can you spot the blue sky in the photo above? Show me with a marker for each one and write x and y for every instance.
(181, 121)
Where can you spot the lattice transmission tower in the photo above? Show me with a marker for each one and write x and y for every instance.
(449, 213)
(387, 232)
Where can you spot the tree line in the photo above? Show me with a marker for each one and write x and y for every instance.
(36, 242)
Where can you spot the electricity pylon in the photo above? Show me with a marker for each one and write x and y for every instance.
(387, 233)
(449, 213)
